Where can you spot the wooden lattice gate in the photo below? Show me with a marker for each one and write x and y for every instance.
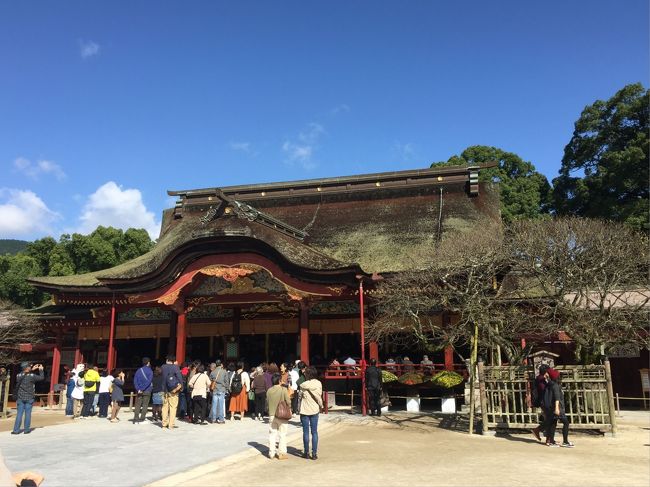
(505, 396)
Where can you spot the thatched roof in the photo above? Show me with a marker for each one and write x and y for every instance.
(373, 223)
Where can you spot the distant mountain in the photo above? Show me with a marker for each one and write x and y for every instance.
(11, 246)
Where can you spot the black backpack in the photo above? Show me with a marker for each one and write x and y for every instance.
(172, 382)
(236, 385)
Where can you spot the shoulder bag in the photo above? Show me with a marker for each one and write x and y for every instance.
(283, 411)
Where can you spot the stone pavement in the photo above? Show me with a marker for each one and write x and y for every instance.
(96, 452)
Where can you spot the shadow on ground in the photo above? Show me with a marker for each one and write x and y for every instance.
(264, 449)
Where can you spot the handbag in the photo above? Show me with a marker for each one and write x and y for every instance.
(251, 395)
(283, 411)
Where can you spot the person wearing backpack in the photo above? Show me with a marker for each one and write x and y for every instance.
(537, 399)
(25, 392)
(240, 384)
(91, 381)
(172, 385)
(554, 410)
(78, 392)
(142, 382)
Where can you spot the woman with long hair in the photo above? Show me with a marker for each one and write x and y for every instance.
(311, 392)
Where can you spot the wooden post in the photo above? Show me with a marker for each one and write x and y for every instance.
(211, 347)
(481, 386)
(325, 346)
(363, 348)
(110, 362)
(304, 332)
(373, 350)
(56, 367)
(158, 347)
(171, 345)
(181, 337)
(610, 397)
(267, 339)
(472, 378)
(236, 318)
(78, 357)
(449, 357)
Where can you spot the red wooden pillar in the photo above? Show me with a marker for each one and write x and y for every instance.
(373, 350)
(181, 336)
(111, 339)
(449, 357)
(363, 348)
(78, 356)
(304, 332)
(56, 366)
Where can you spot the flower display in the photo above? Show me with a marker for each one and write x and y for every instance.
(388, 376)
(447, 379)
(411, 379)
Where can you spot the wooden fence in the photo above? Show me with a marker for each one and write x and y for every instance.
(505, 396)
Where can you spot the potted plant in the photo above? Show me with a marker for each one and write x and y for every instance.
(447, 380)
(412, 380)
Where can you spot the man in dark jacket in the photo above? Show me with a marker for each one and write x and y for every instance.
(373, 386)
(172, 385)
(25, 392)
(142, 383)
(554, 410)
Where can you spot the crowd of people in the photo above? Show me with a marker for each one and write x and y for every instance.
(204, 394)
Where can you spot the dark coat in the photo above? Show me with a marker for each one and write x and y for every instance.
(373, 378)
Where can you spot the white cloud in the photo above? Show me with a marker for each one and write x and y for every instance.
(40, 168)
(405, 151)
(121, 208)
(312, 133)
(88, 49)
(302, 150)
(342, 108)
(241, 146)
(24, 214)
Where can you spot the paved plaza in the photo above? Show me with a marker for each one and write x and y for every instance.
(95, 452)
(401, 449)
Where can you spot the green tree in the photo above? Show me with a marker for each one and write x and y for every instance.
(525, 193)
(40, 250)
(604, 171)
(14, 271)
(73, 254)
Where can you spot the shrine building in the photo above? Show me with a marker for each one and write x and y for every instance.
(263, 272)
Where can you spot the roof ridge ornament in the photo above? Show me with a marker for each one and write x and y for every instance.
(229, 206)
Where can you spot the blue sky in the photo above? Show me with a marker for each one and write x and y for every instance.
(106, 105)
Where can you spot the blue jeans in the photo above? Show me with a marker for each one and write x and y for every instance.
(69, 406)
(310, 423)
(23, 407)
(182, 405)
(218, 406)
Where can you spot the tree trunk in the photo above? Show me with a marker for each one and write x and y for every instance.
(472, 378)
